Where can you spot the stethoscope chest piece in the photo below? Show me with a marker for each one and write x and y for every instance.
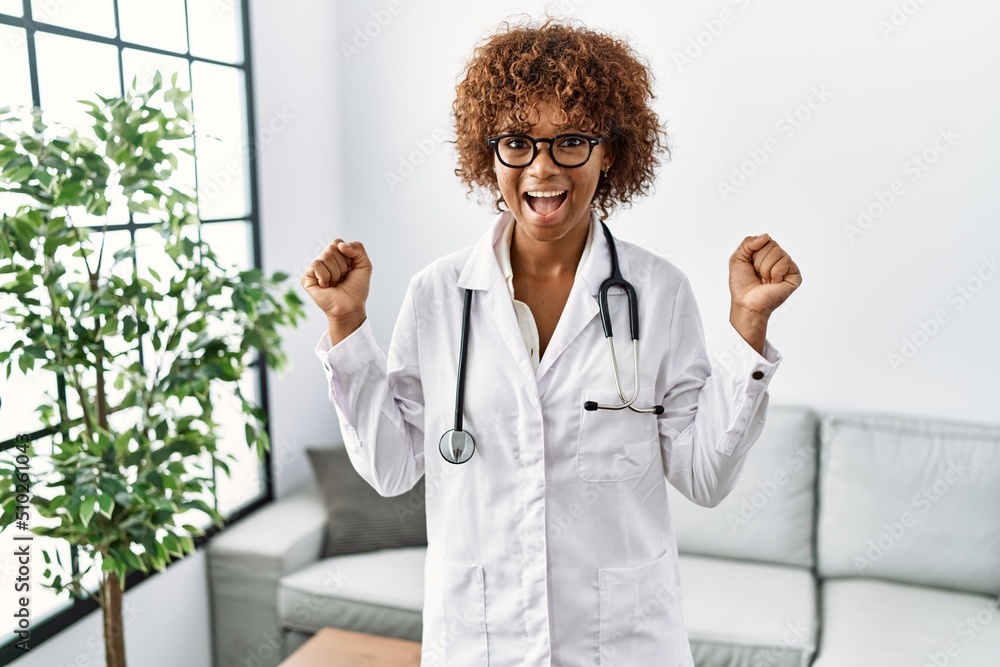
(457, 446)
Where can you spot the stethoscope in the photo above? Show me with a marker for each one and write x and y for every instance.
(458, 446)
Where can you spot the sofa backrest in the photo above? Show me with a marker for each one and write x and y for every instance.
(769, 515)
(911, 500)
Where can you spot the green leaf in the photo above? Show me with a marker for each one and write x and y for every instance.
(20, 174)
(106, 504)
(69, 193)
(109, 564)
(87, 511)
(193, 530)
(172, 546)
(26, 362)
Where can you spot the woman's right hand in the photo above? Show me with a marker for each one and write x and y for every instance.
(338, 281)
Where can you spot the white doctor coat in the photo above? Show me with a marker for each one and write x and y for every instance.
(553, 544)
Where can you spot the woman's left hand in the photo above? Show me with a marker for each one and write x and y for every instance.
(761, 276)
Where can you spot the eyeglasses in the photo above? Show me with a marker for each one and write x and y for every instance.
(566, 150)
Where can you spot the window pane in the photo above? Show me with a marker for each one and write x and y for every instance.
(230, 241)
(245, 483)
(12, 7)
(150, 254)
(220, 127)
(197, 466)
(216, 30)
(93, 16)
(73, 69)
(144, 65)
(159, 24)
(21, 394)
(15, 82)
(44, 601)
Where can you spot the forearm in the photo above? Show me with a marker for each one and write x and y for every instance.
(712, 420)
(751, 326)
(342, 328)
(380, 410)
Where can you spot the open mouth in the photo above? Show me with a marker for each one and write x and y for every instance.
(545, 202)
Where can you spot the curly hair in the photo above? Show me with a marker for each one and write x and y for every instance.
(599, 82)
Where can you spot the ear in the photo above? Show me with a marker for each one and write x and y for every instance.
(608, 156)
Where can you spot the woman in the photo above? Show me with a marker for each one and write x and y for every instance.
(551, 542)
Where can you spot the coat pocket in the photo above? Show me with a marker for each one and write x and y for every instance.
(641, 618)
(615, 445)
(454, 614)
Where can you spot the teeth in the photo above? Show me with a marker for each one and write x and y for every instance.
(552, 193)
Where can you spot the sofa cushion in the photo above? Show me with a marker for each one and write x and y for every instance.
(380, 593)
(910, 500)
(741, 613)
(871, 622)
(769, 515)
(361, 519)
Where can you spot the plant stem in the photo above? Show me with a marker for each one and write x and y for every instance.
(102, 402)
(114, 632)
(77, 385)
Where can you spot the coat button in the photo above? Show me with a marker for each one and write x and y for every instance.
(757, 375)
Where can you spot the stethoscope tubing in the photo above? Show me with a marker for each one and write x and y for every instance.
(615, 280)
(462, 358)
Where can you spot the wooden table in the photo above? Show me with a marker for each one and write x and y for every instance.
(331, 647)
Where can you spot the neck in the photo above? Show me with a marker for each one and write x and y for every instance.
(531, 258)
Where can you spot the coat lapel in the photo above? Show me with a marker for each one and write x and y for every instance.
(482, 273)
(582, 305)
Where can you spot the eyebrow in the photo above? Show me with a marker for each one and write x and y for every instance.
(527, 134)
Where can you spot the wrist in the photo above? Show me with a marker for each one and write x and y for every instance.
(752, 326)
(342, 327)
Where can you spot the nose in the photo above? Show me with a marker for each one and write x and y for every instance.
(543, 165)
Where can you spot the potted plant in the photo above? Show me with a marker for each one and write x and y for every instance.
(120, 478)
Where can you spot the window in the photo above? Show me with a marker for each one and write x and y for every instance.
(54, 53)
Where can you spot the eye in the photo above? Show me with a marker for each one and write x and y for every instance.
(572, 142)
(515, 143)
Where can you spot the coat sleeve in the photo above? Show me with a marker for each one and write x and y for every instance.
(714, 409)
(379, 401)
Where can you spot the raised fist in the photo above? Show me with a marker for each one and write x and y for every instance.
(338, 281)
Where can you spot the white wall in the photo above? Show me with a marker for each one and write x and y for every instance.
(300, 180)
(166, 624)
(889, 97)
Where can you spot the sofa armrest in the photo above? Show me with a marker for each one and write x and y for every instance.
(245, 563)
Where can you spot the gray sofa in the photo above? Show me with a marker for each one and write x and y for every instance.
(851, 540)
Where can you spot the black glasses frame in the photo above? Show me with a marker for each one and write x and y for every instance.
(494, 142)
